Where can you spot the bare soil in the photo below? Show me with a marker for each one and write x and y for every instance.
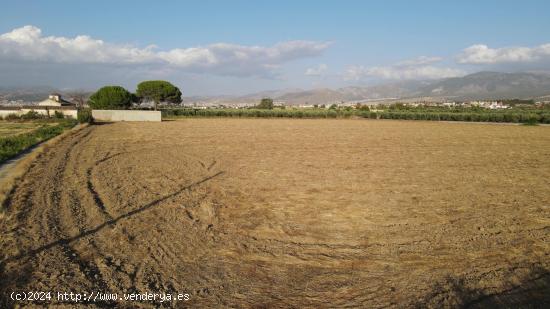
(270, 213)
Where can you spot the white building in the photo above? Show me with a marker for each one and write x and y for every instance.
(55, 99)
(47, 108)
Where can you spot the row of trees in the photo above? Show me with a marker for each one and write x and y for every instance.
(116, 97)
(516, 116)
(511, 117)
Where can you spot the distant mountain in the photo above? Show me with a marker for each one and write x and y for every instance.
(482, 85)
(315, 96)
(490, 85)
(270, 93)
(388, 90)
(252, 98)
(27, 94)
(353, 93)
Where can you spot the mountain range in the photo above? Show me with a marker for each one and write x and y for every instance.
(477, 86)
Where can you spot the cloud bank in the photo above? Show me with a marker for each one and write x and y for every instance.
(483, 54)
(27, 44)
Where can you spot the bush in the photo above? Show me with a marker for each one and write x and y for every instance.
(12, 117)
(111, 97)
(448, 115)
(265, 103)
(530, 118)
(32, 115)
(84, 115)
(58, 115)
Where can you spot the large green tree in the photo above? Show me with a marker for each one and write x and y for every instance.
(265, 103)
(158, 91)
(111, 97)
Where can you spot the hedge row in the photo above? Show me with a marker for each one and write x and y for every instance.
(518, 117)
(477, 117)
(11, 146)
(267, 113)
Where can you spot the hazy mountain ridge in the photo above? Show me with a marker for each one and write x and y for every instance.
(27, 94)
(481, 85)
(477, 86)
(491, 85)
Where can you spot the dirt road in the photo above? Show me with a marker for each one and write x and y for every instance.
(286, 213)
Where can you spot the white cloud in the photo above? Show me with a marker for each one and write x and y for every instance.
(482, 54)
(422, 60)
(317, 71)
(27, 44)
(418, 68)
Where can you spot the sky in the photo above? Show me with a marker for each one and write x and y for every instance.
(239, 47)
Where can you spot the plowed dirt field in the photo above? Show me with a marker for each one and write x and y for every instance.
(270, 213)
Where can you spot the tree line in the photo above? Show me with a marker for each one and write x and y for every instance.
(514, 116)
(117, 97)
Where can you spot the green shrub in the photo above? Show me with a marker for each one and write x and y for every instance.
(433, 114)
(265, 103)
(474, 117)
(32, 115)
(84, 115)
(58, 115)
(12, 117)
(530, 118)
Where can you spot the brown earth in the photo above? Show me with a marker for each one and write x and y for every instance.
(272, 213)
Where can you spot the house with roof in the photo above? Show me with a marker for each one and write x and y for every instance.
(54, 103)
(55, 99)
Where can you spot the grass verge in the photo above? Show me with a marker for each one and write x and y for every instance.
(8, 182)
(11, 146)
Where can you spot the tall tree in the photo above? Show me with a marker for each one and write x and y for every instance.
(265, 103)
(111, 97)
(158, 91)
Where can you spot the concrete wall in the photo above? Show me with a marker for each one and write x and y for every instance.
(69, 112)
(125, 115)
(4, 113)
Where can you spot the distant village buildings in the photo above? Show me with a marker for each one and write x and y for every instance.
(48, 107)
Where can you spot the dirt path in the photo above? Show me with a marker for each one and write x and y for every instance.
(286, 213)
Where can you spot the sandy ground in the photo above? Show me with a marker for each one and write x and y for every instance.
(265, 213)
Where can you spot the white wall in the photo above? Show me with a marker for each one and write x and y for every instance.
(5, 112)
(125, 115)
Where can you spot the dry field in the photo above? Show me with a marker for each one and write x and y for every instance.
(270, 213)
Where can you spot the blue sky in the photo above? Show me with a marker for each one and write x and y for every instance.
(266, 44)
